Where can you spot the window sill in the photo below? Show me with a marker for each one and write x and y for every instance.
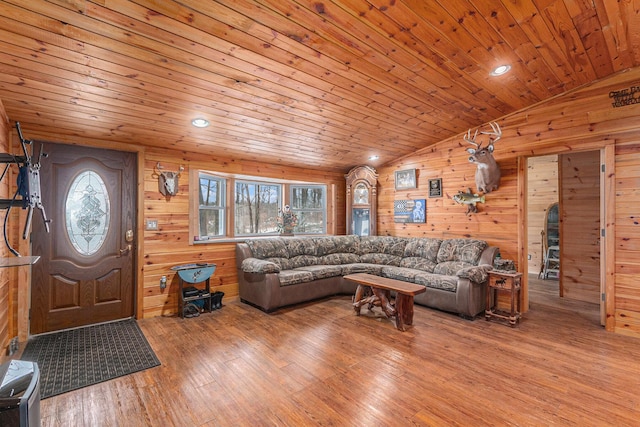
(243, 238)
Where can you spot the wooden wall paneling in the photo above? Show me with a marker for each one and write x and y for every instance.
(17, 278)
(561, 125)
(22, 275)
(580, 219)
(523, 189)
(6, 306)
(496, 218)
(170, 245)
(627, 238)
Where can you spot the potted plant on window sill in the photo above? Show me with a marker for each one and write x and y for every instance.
(286, 222)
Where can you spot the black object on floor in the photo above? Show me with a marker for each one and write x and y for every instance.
(77, 358)
(216, 300)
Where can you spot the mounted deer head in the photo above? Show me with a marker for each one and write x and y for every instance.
(488, 171)
(167, 180)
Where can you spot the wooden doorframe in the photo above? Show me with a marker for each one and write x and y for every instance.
(24, 292)
(607, 242)
(607, 221)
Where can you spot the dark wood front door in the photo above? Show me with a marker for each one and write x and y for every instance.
(86, 271)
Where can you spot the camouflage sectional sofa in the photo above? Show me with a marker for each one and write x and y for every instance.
(280, 271)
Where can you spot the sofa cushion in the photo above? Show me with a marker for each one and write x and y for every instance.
(400, 273)
(421, 247)
(437, 281)
(300, 246)
(464, 250)
(418, 263)
(388, 245)
(336, 244)
(381, 258)
(302, 261)
(283, 263)
(322, 271)
(450, 268)
(362, 267)
(255, 265)
(293, 277)
(339, 258)
(268, 248)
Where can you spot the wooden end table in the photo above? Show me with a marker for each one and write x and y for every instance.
(503, 281)
(376, 291)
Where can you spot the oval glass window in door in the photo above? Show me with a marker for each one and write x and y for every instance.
(87, 212)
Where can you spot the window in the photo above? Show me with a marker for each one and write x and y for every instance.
(308, 202)
(211, 207)
(87, 212)
(256, 207)
(230, 207)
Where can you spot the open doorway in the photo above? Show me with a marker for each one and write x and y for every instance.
(563, 249)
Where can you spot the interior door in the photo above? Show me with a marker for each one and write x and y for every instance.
(580, 226)
(86, 271)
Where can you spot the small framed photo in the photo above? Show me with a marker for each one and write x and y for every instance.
(435, 187)
(406, 179)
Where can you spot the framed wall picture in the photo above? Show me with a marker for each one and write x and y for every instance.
(410, 211)
(406, 179)
(435, 187)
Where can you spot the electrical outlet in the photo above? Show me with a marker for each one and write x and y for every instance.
(163, 282)
(529, 257)
(152, 225)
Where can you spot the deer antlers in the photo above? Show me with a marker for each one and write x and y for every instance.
(158, 169)
(495, 131)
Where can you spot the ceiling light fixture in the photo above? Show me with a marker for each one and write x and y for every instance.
(374, 158)
(200, 122)
(502, 69)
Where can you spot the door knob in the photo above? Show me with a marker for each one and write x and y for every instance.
(125, 251)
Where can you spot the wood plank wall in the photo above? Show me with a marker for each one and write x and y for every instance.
(581, 120)
(542, 180)
(169, 246)
(580, 226)
(6, 314)
(627, 237)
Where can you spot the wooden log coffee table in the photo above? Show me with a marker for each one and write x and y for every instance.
(376, 291)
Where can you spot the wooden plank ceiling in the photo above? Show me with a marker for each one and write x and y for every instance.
(319, 84)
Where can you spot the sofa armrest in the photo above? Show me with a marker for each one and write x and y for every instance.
(255, 265)
(470, 298)
(488, 255)
(476, 273)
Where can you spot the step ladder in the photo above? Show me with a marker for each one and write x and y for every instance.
(552, 263)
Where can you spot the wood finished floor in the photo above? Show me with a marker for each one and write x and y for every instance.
(319, 364)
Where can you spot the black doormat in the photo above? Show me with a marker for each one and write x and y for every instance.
(77, 358)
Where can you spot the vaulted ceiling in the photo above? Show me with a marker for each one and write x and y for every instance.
(319, 84)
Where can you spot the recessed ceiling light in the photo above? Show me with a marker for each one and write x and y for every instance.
(502, 69)
(374, 157)
(200, 122)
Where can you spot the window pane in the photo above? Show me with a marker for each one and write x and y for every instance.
(256, 207)
(307, 197)
(212, 201)
(310, 222)
(210, 191)
(87, 213)
(211, 222)
(308, 202)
